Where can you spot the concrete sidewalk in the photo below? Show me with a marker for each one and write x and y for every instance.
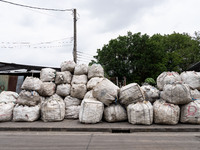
(76, 126)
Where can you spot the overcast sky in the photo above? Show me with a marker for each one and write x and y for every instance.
(36, 37)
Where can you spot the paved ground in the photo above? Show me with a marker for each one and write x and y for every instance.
(16, 140)
(76, 126)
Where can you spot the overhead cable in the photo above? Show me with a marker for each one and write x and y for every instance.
(84, 53)
(33, 7)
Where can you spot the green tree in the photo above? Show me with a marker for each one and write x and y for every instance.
(137, 56)
(182, 50)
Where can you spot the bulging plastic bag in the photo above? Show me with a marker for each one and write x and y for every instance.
(47, 75)
(106, 92)
(96, 70)
(190, 113)
(165, 113)
(26, 113)
(140, 113)
(115, 113)
(6, 111)
(131, 93)
(191, 78)
(8, 96)
(167, 78)
(91, 111)
(176, 93)
(53, 109)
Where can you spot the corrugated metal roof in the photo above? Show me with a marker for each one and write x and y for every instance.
(195, 67)
(20, 69)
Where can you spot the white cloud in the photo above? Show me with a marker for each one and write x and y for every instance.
(99, 22)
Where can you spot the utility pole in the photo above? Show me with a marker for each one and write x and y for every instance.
(75, 37)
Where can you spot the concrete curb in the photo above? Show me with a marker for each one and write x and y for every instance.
(110, 130)
(76, 126)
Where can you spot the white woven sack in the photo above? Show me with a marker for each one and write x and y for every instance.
(167, 78)
(89, 95)
(78, 91)
(68, 66)
(32, 84)
(47, 75)
(47, 89)
(71, 101)
(63, 90)
(190, 113)
(72, 112)
(96, 70)
(131, 93)
(53, 109)
(151, 93)
(115, 113)
(176, 93)
(140, 113)
(191, 78)
(63, 77)
(26, 113)
(91, 111)
(195, 94)
(81, 69)
(93, 82)
(106, 92)
(29, 98)
(6, 111)
(165, 113)
(79, 79)
(8, 96)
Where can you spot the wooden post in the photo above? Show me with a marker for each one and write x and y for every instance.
(75, 38)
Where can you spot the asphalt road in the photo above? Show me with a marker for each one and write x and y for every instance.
(92, 141)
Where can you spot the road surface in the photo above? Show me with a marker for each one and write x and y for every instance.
(99, 141)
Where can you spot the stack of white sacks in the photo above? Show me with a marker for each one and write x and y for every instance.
(82, 92)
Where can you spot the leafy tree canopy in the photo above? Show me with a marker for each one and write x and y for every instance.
(137, 56)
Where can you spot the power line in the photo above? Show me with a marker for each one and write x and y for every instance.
(84, 57)
(57, 17)
(33, 7)
(84, 53)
